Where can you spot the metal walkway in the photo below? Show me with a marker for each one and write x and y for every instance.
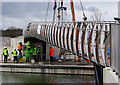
(90, 40)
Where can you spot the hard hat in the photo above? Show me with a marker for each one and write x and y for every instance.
(5, 47)
(14, 48)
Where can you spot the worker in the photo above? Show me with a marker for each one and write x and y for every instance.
(31, 50)
(28, 46)
(5, 53)
(35, 54)
(39, 53)
(20, 48)
(15, 55)
(51, 53)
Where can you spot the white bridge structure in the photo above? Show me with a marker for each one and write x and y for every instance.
(94, 41)
(90, 40)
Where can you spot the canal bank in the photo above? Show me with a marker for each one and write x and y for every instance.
(47, 69)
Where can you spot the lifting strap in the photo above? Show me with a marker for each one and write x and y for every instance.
(58, 11)
(54, 8)
(47, 11)
(84, 17)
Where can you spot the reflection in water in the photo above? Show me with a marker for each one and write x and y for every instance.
(45, 78)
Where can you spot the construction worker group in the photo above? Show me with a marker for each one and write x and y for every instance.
(30, 52)
(14, 52)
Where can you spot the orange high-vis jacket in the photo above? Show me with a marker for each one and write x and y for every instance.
(19, 47)
(51, 52)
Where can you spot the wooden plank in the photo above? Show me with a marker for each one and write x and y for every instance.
(72, 46)
(64, 44)
(107, 42)
(54, 34)
(89, 42)
(98, 45)
(83, 38)
(77, 39)
(61, 35)
(57, 34)
(68, 43)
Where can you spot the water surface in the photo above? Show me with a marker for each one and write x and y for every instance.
(45, 78)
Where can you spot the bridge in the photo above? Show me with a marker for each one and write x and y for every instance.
(97, 42)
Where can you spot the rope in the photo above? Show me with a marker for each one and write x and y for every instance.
(84, 18)
(82, 8)
(58, 9)
(54, 8)
(47, 11)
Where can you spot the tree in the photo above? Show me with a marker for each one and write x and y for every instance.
(96, 15)
(12, 32)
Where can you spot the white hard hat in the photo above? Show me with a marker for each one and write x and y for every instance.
(14, 48)
(5, 47)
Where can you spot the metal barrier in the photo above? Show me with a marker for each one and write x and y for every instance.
(115, 48)
(89, 39)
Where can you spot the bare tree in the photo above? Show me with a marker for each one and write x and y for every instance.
(96, 15)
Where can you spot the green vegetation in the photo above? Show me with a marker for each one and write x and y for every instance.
(12, 32)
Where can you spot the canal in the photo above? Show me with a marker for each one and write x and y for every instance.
(44, 78)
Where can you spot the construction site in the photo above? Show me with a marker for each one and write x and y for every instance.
(65, 47)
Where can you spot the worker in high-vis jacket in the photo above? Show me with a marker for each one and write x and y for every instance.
(20, 48)
(5, 53)
(15, 56)
(39, 54)
(28, 46)
(51, 53)
(34, 53)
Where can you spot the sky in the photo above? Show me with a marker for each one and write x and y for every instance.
(19, 14)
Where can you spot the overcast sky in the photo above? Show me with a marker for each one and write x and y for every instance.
(19, 14)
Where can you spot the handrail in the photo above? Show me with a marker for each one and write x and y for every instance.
(65, 37)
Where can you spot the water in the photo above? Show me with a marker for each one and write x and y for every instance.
(45, 78)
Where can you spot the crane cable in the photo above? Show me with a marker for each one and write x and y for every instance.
(47, 11)
(84, 17)
(54, 8)
(58, 11)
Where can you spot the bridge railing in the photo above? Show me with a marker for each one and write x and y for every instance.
(90, 40)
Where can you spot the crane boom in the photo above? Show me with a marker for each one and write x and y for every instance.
(72, 10)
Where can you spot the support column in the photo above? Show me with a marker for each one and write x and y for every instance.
(98, 71)
(43, 50)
